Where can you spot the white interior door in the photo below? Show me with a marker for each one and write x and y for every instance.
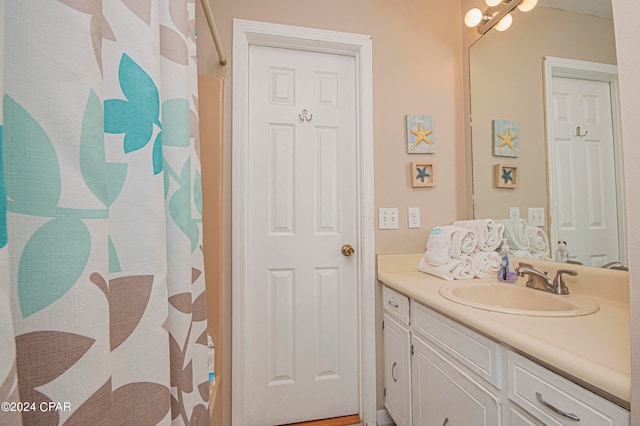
(583, 165)
(302, 305)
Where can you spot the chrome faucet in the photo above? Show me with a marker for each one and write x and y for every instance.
(540, 280)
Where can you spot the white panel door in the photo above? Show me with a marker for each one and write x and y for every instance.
(585, 213)
(302, 291)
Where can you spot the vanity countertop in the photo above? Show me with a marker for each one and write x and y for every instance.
(592, 350)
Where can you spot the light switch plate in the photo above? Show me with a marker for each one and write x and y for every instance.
(387, 218)
(514, 212)
(413, 217)
(536, 216)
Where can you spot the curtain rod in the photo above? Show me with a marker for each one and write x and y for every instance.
(214, 31)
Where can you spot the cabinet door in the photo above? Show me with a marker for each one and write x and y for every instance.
(397, 380)
(444, 395)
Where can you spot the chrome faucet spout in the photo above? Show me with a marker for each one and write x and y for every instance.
(540, 281)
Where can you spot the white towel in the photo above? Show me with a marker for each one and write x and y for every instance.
(538, 239)
(515, 231)
(452, 242)
(522, 253)
(456, 269)
(463, 241)
(438, 246)
(486, 264)
(489, 232)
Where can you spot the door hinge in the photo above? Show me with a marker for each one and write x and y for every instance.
(411, 349)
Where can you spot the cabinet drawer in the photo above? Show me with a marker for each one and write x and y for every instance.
(478, 353)
(396, 304)
(546, 395)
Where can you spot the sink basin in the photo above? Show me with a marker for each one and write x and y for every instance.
(511, 299)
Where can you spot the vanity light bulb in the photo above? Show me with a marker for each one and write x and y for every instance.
(504, 23)
(527, 5)
(492, 3)
(473, 17)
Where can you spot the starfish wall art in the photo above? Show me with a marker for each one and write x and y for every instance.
(422, 174)
(506, 138)
(506, 176)
(420, 134)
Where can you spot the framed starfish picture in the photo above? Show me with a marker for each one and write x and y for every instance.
(506, 138)
(420, 134)
(422, 174)
(506, 176)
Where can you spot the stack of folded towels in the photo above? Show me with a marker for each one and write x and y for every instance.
(463, 250)
(525, 240)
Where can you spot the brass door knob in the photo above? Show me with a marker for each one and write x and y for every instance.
(347, 250)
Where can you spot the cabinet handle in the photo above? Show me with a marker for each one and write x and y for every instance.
(556, 410)
(393, 372)
(446, 420)
(395, 305)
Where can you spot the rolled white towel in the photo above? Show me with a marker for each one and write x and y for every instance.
(438, 246)
(489, 232)
(486, 264)
(456, 269)
(538, 239)
(515, 231)
(463, 241)
(522, 253)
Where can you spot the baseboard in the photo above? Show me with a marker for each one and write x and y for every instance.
(383, 418)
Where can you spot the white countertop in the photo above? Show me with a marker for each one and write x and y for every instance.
(593, 350)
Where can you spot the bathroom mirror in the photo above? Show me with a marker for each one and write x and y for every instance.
(507, 85)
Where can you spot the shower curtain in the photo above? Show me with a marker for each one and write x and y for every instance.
(102, 306)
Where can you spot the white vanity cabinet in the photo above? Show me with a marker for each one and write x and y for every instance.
(440, 372)
(554, 400)
(397, 355)
(444, 395)
(456, 373)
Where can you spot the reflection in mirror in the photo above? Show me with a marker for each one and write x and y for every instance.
(507, 81)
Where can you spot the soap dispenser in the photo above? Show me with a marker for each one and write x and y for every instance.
(506, 273)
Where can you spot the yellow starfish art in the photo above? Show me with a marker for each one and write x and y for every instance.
(421, 135)
(507, 139)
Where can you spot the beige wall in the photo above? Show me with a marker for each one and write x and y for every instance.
(417, 69)
(507, 82)
(625, 13)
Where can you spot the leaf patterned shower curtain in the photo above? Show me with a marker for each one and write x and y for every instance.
(102, 306)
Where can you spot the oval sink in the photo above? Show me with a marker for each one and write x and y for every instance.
(511, 299)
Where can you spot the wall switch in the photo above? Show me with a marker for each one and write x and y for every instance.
(536, 216)
(514, 212)
(413, 217)
(387, 218)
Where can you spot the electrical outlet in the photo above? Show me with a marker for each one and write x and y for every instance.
(514, 212)
(536, 216)
(387, 218)
(413, 217)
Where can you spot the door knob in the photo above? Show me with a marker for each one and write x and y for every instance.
(347, 250)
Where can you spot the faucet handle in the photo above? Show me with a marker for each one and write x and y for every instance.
(558, 281)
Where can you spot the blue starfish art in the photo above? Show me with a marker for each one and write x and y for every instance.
(422, 173)
(506, 175)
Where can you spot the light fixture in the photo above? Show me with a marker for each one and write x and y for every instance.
(527, 5)
(498, 14)
(504, 23)
(473, 17)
